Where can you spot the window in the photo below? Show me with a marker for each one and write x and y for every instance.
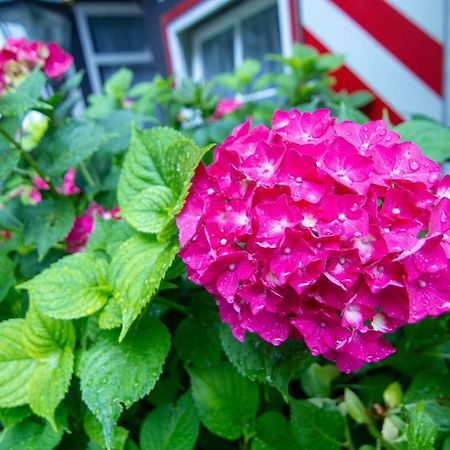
(250, 30)
(112, 36)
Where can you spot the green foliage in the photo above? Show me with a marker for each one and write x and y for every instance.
(433, 138)
(156, 177)
(317, 424)
(85, 339)
(114, 375)
(171, 426)
(226, 402)
(75, 286)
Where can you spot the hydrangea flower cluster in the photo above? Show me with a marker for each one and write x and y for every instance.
(19, 57)
(333, 233)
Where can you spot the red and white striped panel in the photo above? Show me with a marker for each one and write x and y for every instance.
(394, 48)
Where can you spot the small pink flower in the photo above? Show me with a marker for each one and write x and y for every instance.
(336, 234)
(34, 196)
(68, 184)
(40, 183)
(226, 106)
(83, 226)
(57, 62)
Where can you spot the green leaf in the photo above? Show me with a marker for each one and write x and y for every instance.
(393, 394)
(137, 269)
(156, 177)
(75, 286)
(114, 374)
(355, 407)
(273, 433)
(47, 223)
(108, 235)
(171, 426)
(432, 138)
(16, 366)
(69, 145)
(50, 342)
(317, 425)
(316, 380)
(263, 362)
(421, 430)
(117, 85)
(30, 435)
(25, 97)
(428, 385)
(7, 277)
(11, 416)
(36, 362)
(94, 430)
(247, 70)
(110, 316)
(197, 339)
(226, 401)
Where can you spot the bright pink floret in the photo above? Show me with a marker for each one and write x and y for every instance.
(226, 106)
(83, 226)
(333, 233)
(19, 57)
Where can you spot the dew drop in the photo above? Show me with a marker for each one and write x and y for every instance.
(443, 217)
(287, 250)
(414, 165)
(342, 217)
(223, 241)
(232, 266)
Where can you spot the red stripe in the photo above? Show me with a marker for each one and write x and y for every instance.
(168, 17)
(413, 47)
(295, 22)
(347, 80)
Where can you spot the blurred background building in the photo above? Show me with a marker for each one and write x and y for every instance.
(394, 48)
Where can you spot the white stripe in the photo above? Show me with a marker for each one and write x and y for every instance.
(426, 14)
(380, 70)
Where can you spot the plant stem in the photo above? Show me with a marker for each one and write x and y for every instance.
(348, 435)
(174, 305)
(373, 430)
(28, 158)
(87, 176)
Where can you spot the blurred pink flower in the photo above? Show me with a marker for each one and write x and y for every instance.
(226, 106)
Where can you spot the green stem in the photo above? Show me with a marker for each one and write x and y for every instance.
(174, 305)
(348, 435)
(373, 430)
(87, 176)
(28, 158)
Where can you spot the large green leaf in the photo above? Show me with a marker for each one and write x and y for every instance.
(50, 342)
(421, 431)
(226, 401)
(30, 435)
(7, 278)
(69, 145)
(156, 176)
(317, 424)
(47, 223)
(36, 361)
(433, 138)
(114, 374)
(137, 269)
(75, 286)
(25, 97)
(273, 433)
(263, 362)
(16, 365)
(171, 426)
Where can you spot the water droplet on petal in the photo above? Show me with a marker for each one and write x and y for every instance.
(414, 165)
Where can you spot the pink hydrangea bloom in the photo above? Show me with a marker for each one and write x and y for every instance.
(226, 106)
(19, 57)
(83, 226)
(333, 233)
(68, 186)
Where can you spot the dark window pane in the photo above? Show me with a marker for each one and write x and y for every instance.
(118, 34)
(142, 72)
(218, 54)
(261, 35)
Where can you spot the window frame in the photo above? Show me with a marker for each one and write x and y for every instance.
(94, 60)
(233, 20)
(174, 29)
